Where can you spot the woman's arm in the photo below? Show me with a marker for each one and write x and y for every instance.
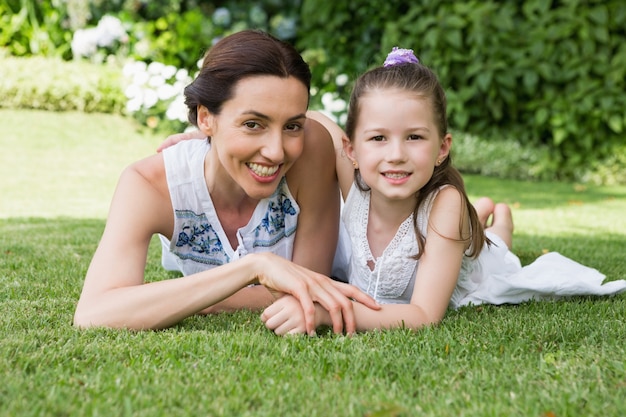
(435, 281)
(114, 293)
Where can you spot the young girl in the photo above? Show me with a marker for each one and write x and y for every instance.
(418, 246)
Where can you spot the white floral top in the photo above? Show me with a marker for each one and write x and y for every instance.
(198, 240)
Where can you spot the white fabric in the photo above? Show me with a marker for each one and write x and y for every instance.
(198, 241)
(495, 277)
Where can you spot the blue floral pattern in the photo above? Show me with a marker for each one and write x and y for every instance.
(272, 227)
(198, 240)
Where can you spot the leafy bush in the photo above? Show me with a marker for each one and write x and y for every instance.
(343, 38)
(35, 28)
(504, 158)
(56, 85)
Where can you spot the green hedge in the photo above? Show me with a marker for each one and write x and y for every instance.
(539, 72)
(56, 85)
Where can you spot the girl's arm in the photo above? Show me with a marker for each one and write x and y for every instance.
(436, 278)
(343, 165)
(172, 140)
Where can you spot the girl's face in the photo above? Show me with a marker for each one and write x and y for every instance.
(396, 143)
(257, 136)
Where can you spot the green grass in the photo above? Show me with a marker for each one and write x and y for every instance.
(58, 172)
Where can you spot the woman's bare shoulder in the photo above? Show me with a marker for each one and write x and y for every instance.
(151, 170)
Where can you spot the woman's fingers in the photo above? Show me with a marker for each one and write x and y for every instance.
(354, 293)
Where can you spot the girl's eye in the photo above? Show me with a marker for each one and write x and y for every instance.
(414, 137)
(293, 127)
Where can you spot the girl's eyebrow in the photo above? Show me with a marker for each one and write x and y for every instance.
(266, 117)
(384, 129)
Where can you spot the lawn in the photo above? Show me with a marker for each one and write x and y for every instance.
(58, 170)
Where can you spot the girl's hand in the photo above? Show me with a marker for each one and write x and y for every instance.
(285, 317)
(310, 287)
(172, 140)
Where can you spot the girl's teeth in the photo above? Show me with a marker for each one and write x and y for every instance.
(262, 170)
(395, 175)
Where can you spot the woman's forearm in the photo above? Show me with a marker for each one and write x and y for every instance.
(161, 304)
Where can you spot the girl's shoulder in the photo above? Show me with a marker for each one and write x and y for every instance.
(316, 163)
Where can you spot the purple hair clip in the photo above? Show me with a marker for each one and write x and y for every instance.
(399, 56)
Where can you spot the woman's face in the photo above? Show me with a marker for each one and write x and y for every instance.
(258, 135)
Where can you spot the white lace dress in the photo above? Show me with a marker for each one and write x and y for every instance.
(495, 277)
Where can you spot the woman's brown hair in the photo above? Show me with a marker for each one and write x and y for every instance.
(242, 54)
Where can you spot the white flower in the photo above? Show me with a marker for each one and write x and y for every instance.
(221, 17)
(166, 92)
(84, 42)
(341, 80)
(156, 81)
(338, 105)
(155, 68)
(177, 110)
(141, 78)
(109, 30)
(182, 75)
(168, 71)
(134, 104)
(327, 99)
(132, 91)
(150, 98)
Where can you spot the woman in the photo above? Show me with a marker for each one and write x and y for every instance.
(256, 202)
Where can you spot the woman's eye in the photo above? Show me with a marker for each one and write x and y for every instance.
(378, 138)
(252, 125)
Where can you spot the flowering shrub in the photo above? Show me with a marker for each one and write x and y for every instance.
(109, 33)
(155, 94)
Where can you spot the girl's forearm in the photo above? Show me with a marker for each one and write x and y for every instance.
(388, 317)
(253, 298)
